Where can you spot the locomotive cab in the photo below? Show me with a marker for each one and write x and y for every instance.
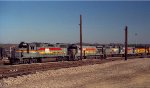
(25, 53)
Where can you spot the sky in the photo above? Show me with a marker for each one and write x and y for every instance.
(58, 21)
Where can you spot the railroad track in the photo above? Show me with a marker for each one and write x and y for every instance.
(25, 69)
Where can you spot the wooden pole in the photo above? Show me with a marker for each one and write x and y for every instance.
(126, 42)
(81, 37)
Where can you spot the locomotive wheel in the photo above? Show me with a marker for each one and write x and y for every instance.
(26, 61)
(59, 59)
(65, 58)
(71, 59)
(33, 60)
(16, 62)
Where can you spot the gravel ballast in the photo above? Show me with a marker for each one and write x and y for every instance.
(116, 74)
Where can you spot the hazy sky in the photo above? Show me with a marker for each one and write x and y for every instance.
(49, 21)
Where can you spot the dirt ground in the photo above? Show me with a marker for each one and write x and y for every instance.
(116, 74)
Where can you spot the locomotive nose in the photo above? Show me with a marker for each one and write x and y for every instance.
(72, 51)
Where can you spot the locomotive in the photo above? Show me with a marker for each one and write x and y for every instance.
(43, 52)
(40, 52)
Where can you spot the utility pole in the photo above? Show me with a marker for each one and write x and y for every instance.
(10, 51)
(80, 37)
(145, 50)
(126, 42)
